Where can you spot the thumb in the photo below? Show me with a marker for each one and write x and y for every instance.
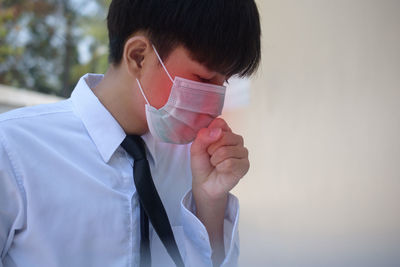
(205, 137)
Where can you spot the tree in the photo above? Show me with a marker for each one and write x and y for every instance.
(40, 41)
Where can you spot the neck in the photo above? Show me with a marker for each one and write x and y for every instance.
(118, 93)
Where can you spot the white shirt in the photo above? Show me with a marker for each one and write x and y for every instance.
(67, 196)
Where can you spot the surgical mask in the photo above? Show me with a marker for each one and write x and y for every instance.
(191, 106)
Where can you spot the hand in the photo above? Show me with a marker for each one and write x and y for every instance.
(218, 160)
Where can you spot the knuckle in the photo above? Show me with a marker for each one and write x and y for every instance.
(241, 140)
(238, 138)
(229, 164)
(247, 162)
(223, 152)
(220, 120)
(246, 152)
(213, 160)
(211, 149)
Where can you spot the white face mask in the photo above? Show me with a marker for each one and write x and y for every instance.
(191, 106)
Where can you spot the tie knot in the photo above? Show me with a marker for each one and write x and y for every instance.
(134, 145)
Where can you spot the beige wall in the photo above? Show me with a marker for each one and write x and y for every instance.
(323, 131)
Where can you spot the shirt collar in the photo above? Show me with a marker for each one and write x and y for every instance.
(102, 127)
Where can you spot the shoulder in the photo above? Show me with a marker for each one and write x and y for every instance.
(45, 115)
(32, 112)
(41, 120)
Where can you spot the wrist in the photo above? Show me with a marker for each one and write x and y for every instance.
(207, 197)
(209, 205)
(210, 210)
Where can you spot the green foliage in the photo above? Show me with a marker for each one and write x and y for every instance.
(40, 41)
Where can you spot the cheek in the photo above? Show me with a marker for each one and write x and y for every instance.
(160, 94)
(157, 90)
(166, 91)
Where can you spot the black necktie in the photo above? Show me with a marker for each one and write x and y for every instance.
(150, 203)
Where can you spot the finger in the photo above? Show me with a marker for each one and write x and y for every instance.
(226, 152)
(237, 168)
(227, 139)
(220, 123)
(204, 138)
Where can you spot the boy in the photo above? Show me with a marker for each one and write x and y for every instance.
(68, 189)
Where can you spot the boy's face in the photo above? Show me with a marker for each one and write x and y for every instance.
(156, 83)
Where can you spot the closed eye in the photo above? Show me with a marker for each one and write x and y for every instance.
(203, 80)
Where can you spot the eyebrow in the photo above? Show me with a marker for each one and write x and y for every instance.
(207, 74)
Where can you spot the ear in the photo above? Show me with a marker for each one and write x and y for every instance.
(136, 51)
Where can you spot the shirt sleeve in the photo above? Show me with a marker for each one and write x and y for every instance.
(11, 202)
(197, 244)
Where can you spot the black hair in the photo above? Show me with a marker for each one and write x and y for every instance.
(224, 35)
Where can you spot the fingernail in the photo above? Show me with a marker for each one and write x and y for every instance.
(215, 132)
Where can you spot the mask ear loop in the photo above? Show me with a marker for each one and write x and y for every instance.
(162, 63)
(141, 90)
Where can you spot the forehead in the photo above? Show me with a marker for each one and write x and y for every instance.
(180, 57)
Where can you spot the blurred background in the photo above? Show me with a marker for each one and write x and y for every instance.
(46, 45)
(321, 119)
